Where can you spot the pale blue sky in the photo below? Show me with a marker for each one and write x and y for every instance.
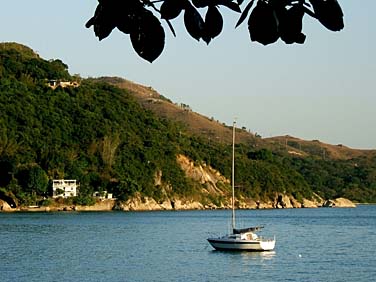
(322, 90)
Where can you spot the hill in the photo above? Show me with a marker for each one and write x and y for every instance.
(117, 136)
(193, 122)
(216, 131)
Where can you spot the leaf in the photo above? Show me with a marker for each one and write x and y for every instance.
(213, 22)
(309, 12)
(291, 24)
(102, 21)
(126, 14)
(193, 22)
(170, 9)
(244, 14)
(148, 38)
(262, 24)
(329, 13)
(201, 3)
(126, 23)
(229, 4)
(171, 27)
(90, 22)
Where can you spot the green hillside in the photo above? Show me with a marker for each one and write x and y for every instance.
(102, 136)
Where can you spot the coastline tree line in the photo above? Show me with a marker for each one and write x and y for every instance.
(98, 134)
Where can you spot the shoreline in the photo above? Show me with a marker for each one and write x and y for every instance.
(112, 205)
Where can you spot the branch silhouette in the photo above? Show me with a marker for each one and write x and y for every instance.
(268, 20)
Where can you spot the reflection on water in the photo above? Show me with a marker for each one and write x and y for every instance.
(268, 255)
(259, 255)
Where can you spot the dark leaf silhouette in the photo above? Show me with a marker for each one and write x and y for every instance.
(201, 3)
(245, 13)
(269, 20)
(262, 24)
(329, 13)
(213, 22)
(194, 22)
(290, 24)
(110, 14)
(126, 22)
(102, 21)
(229, 4)
(148, 38)
(171, 9)
(126, 14)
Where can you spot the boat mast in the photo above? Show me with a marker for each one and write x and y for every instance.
(233, 175)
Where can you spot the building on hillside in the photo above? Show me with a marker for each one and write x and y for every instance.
(102, 195)
(64, 188)
(53, 83)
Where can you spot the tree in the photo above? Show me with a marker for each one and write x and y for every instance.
(34, 180)
(268, 21)
(7, 168)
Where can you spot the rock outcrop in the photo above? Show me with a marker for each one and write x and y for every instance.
(339, 203)
(139, 203)
(286, 202)
(102, 205)
(204, 174)
(316, 202)
(4, 206)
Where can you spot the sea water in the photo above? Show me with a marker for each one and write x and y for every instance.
(324, 244)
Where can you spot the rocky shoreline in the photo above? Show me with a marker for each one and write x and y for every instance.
(149, 204)
(209, 179)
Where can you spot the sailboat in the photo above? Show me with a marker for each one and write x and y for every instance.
(244, 239)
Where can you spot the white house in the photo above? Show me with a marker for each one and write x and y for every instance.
(64, 188)
(53, 83)
(102, 195)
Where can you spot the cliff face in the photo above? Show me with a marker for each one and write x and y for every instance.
(205, 175)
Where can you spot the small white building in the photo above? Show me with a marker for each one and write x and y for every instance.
(53, 83)
(64, 188)
(102, 195)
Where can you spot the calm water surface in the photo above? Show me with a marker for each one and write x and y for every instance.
(312, 245)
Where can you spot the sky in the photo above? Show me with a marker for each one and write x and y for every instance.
(323, 89)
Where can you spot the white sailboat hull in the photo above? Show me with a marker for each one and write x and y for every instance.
(227, 244)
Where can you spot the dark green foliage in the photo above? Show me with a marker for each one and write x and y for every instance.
(33, 180)
(7, 169)
(101, 136)
(96, 133)
(83, 200)
(260, 173)
(25, 66)
(354, 179)
(262, 154)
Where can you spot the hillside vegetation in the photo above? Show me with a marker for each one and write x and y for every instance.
(214, 130)
(108, 138)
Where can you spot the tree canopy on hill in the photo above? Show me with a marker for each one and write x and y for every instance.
(99, 134)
